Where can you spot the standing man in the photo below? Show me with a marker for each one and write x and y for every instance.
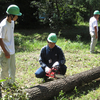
(51, 56)
(7, 49)
(93, 28)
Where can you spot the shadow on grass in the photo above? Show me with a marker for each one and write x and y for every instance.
(41, 34)
(82, 90)
(66, 32)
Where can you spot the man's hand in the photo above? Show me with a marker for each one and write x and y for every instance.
(47, 69)
(56, 65)
(7, 55)
(96, 34)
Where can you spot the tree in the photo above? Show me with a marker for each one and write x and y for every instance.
(58, 12)
(90, 5)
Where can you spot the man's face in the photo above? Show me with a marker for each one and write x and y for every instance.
(97, 17)
(51, 45)
(15, 18)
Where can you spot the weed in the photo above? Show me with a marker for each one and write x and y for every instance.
(14, 93)
(78, 38)
(61, 96)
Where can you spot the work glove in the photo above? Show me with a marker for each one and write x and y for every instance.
(47, 69)
(56, 65)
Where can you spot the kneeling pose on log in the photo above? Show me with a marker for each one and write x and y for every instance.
(51, 56)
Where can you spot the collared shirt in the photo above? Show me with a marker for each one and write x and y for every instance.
(49, 56)
(92, 23)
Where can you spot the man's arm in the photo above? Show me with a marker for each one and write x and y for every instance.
(43, 65)
(62, 59)
(41, 58)
(96, 32)
(7, 55)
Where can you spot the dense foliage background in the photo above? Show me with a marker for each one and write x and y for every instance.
(54, 13)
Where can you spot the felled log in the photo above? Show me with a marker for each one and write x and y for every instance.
(50, 89)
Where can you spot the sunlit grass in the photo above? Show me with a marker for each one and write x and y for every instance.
(77, 54)
(78, 59)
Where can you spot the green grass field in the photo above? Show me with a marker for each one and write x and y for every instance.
(78, 59)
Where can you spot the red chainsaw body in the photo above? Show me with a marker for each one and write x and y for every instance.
(52, 72)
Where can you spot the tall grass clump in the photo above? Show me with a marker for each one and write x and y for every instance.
(29, 43)
(37, 41)
(67, 44)
(72, 45)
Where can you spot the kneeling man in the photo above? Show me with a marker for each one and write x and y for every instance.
(51, 56)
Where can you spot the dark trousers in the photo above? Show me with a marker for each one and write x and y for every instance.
(40, 73)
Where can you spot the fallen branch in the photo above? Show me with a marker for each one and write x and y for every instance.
(50, 89)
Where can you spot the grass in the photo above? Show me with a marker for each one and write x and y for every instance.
(78, 59)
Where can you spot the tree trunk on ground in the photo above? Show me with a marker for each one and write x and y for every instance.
(50, 89)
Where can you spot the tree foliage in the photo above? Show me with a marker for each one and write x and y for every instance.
(59, 13)
(55, 13)
(90, 5)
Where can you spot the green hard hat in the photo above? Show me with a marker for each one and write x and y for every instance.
(96, 12)
(52, 38)
(13, 10)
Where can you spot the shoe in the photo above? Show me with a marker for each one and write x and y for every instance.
(92, 52)
(9, 86)
(5, 87)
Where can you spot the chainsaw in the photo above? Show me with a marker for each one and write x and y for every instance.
(54, 73)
